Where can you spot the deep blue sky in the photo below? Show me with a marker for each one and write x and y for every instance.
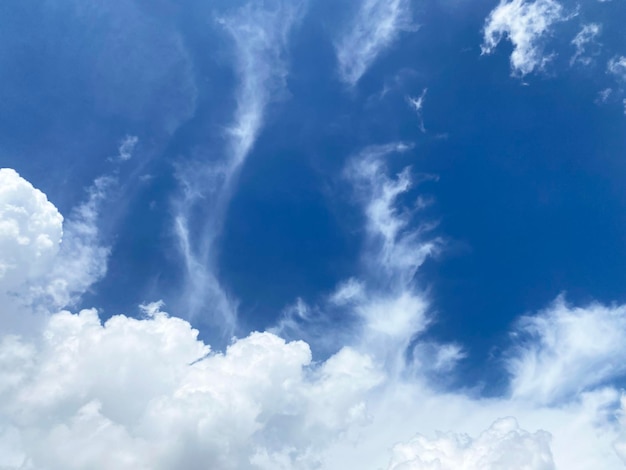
(529, 199)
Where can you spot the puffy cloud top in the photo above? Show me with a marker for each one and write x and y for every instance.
(31, 228)
(504, 446)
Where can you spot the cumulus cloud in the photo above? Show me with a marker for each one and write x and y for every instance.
(148, 394)
(30, 231)
(47, 262)
(504, 446)
(525, 24)
(260, 34)
(376, 26)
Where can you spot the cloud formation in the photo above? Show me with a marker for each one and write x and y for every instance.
(587, 35)
(80, 393)
(617, 67)
(564, 351)
(376, 26)
(504, 446)
(525, 24)
(126, 148)
(30, 231)
(260, 34)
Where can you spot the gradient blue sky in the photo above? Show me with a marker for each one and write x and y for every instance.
(316, 169)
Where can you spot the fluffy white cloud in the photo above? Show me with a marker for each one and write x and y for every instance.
(525, 24)
(504, 446)
(46, 262)
(376, 26)
(147, 394)
(30, 231)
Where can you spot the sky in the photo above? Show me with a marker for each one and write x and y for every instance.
(312, 234)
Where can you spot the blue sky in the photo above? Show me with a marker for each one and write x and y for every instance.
(356, 214)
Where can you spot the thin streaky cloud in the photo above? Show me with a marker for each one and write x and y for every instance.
(376, 26)
(260, 35)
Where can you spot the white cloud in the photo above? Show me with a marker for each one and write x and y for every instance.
(564, 350)
(82, 259)
(127, 147)
(395, 248)
(260, 34)
(617, 66)
(30, 231)
(525, 24)
(585, 36)
(504, 446)
(417, 103)
(376, 26)
(46, 262)
(146, 393)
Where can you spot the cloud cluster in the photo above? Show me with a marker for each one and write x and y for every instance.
(376, 26)
(525, 24)
(147, 394)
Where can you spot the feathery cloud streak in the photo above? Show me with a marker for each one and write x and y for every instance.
(377, 25)
(260, 34)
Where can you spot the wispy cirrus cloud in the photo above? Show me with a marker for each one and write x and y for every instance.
(564, 351)
(586, 36)
(525, 24)
(376, 26)
(259, 34)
